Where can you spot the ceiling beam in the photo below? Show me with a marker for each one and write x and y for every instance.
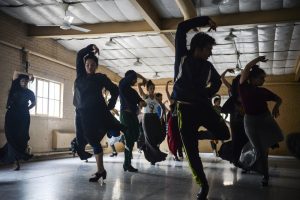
(167, 25)
(148, 12)
(297, 70)
(152, 18)
(187, 9)
(100, 29)
(168, 39)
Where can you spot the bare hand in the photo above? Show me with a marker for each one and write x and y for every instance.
(95, 49)
(262, 59)
(230, 70)
(212, 25)
(275, 112)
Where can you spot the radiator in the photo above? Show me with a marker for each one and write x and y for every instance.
(62, 139)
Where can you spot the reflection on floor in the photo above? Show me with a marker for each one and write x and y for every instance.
(67, 179)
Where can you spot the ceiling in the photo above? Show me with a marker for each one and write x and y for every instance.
(145, 29)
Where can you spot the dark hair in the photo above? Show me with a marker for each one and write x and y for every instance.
(15, 85)
(217, 99)
(131, 73)
(92, 56)
(158, 94)
(255, 72)
(201, 40)
(149, 83)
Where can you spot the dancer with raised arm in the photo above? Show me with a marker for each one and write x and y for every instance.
(95, 116)
(17, 120)
(260, 126)
(196, 81)
(130, 104)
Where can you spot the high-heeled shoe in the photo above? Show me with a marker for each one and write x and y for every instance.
(113, 154)
(97, 176)
(202, 194)
(130, 168)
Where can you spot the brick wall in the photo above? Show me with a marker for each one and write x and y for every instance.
(13, 32)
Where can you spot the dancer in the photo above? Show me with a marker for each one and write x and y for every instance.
(196, 81)
(95, 116)
(162, 113)
(234, 107)
(130, 103)
(17, 121)
(260, 126)
(151, 125)
(173, 136)
(217, 107)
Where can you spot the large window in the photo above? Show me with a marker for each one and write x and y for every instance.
(49, 99)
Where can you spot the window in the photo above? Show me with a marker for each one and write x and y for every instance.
(48, 97)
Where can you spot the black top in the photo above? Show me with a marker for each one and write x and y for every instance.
(196, 79)
(129, 98)
(88, 87)
(19, 100)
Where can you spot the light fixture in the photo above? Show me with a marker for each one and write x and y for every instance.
(231, 36)
(238, 62)
(156, 75)
(137, 62)
(110, 42)
(221, 2)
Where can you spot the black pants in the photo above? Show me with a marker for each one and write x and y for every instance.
(190, 118)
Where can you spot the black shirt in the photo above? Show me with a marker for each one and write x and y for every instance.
(129, 98)
(88, 87)
(196, 80)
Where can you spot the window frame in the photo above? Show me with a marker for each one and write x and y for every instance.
(35, 91)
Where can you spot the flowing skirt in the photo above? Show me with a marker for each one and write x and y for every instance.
(153, 138)
(17, 134)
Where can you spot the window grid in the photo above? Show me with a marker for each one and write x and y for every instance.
(48, 96)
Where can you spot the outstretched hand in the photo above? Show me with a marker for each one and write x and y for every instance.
(275, 112)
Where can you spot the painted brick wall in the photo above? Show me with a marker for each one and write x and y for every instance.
(13, 32)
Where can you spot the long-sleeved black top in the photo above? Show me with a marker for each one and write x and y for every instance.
(196, 80)
(88, 87)
(129, 98)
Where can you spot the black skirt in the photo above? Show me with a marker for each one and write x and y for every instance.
(153, 138)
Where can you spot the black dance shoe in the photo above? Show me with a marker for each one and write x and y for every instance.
(202, 194)
(83, 155)
(130, 168)
(97, 176)
(113, 154)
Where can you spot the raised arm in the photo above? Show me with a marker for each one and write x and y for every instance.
(180, 38)
(246, 71)
(80, 67)
(141, 91)
(226, 83)
(168, 93)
